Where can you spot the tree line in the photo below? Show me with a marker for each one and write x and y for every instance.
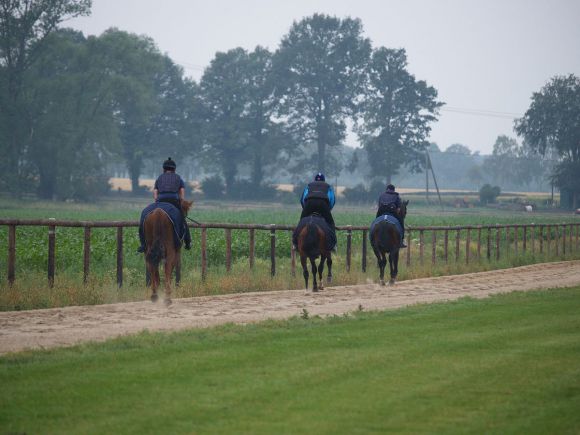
(71, 104)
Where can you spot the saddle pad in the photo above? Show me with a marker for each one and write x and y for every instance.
(174, 215)
(390, 219)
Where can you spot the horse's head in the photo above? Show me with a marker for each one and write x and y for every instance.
(185, 206)
(403, 209)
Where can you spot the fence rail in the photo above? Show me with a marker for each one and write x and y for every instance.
(534, 238)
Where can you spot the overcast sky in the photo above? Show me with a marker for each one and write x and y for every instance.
(484, 57)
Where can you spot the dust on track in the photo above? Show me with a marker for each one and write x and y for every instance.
(38, 329)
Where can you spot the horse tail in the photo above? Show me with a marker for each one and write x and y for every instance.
(157, 252)
(311, 242)
(384, 236)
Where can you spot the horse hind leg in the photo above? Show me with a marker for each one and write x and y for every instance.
(394, 266)
(168, 274)
(314, 271)
(320, 270)
(304, 270)
(154, 273)
(329, 263)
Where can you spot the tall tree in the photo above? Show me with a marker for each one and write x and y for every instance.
(72, 132)
(266, 136)
(458, 148)
(320, 74)
(396, 112)
(224, 89)
(24, 26)
(552, 122)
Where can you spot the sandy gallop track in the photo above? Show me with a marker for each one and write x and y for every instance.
(67, 326)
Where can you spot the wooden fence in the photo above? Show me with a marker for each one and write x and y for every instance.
(557, 239)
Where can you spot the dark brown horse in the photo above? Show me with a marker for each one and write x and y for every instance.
(311, 244)
(159, 236)
(385, 238)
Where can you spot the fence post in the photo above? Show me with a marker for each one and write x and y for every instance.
(570, 231)
(87, 254)
(457, 238)
(273, 249)
(364, 250)
(548, 238)
(348, 247)
(433, 247)
(119, 256)
(524, 245)
(489, 243)
(541, 239)
(557, 240)
(203, 253)
(421, 247)
(497, 237)
(51, 248)
(252, 246)
(479, 244)
(467, 243)
(228, 232)
(533, 238)
(516, 234)
(446, 245)
(408, 247)
(11, 253)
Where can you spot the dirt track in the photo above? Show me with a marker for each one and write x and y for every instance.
(21, 330)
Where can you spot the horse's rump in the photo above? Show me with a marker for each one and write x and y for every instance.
(158, 230)
(319, 222)
(174, 216)
(385, 236)
(311, 240)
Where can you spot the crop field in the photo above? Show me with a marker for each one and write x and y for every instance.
(505, 364)
(30, 290)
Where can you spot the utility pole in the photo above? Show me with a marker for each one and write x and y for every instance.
(427, 175)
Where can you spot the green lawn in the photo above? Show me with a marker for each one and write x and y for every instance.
(506, 364)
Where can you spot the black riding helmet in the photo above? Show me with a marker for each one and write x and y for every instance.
(390, 188)
(169, 165)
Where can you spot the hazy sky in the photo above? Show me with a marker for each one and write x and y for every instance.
(484, 57)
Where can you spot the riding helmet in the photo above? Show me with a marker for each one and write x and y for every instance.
(169, 164)
(390, 188)
(319, 177)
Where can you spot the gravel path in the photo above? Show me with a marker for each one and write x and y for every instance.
(20, 330)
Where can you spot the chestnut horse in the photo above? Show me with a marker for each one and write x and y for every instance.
(311, 244)
(159, 236)
(385, 238)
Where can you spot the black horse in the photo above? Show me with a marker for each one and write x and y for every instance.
(311, 243)
(385, 238)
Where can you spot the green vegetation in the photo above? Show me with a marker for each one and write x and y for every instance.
(506, 364)
(31, 291)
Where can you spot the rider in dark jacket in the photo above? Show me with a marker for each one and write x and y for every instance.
(169, 187)
(390, 203)
(318, 197)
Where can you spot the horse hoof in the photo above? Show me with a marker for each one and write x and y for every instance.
(381, 281)
(392, 281)
(154, 298)
(320, 287)
(167, 302)
(315, 289)
(329, 279)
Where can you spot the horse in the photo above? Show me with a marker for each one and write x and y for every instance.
(159, 236)
(385, 238)
(311, 244)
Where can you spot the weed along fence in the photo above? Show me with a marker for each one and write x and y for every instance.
(434, 245)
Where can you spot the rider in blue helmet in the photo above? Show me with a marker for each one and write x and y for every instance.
(390, 203)
(318, 197)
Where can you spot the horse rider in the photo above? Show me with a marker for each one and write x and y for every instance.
(318, 197)
(390, 203)
(169, 187)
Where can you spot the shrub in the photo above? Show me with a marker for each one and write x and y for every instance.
(213, 187)
(488, 193)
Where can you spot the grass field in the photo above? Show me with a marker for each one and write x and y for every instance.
(506, 364)
(31, 289)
